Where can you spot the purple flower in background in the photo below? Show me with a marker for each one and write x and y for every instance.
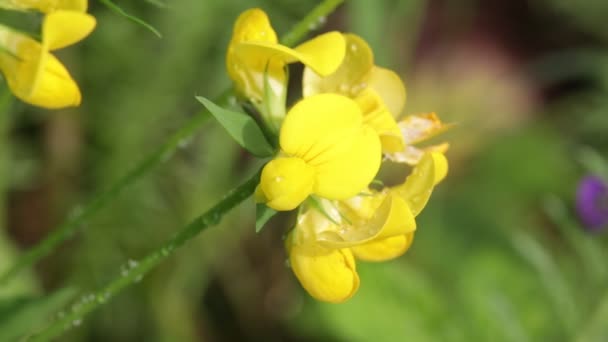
(592, 202)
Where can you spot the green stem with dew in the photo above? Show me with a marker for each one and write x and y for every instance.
(138, 269)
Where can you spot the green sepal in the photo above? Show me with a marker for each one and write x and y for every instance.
(262, 214)
(241, 127)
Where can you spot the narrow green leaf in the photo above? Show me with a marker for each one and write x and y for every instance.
(20, 316)
(116, 9)
(241, 127)
(262, 215)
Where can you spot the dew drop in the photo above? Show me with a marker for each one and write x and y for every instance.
(138, 278)
(322, 20)
(212, 218)
(101, 298)
(353, 47)
(344, 88)
(132, 263)
(76, 322)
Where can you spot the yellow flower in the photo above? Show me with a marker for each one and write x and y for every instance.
(379, 92)
(45, 6)
(375, 226)
(256, 61)
(326, 150)
(33, 74)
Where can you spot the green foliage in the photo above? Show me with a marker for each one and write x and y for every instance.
(241, 128)
(262, 215)
(21, 316)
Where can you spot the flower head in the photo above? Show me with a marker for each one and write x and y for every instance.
(592, 202)
(372, 226)
(326, 150)
(33, 74)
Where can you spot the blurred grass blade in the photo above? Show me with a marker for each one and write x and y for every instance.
(597, 327)
(552, 279)
(590, 252)
(593, 162)
(116, 9)
(19, 316)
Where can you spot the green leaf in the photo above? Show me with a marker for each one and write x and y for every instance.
(21, 316)
(116, 9)
(262, 214)
(241, 127)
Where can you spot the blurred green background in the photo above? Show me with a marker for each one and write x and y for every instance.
(499, 254)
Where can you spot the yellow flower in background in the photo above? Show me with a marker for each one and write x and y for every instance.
(32, 73)
(373, 226)
(45, 6)
(326, 150)
(256, 62)
(379, 91)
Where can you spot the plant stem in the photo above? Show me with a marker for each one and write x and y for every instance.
(76, 221)
(310, 22)
(137, 270)
(5, 124)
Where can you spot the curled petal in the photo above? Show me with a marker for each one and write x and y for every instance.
(322, 54)
(328, 275)
(351, 76)
(62, 28)
(420, 127)
(327, 132)
(389, 86)
(384, 249)
(285, 183)
(392, 218)
(418, 186)
(441, 166)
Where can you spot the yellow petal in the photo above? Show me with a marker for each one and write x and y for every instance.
(33, 75)
(441, 166)
(253, 25)
(351, 76)
(322, 54)
(247, 71)
(327, 132)
(72, 5)
(389, 86)
(376, 115)
(384, 249)
(392, 218)
(45, 6)
(327, 275)
(418, 186)
(62, 28)
(54, 87)
(285, 183)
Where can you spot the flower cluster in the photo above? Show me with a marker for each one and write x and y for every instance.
(331, 144)
(31, 71)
